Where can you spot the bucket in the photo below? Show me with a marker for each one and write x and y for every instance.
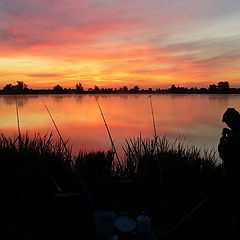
(125, 227)
(105, 223)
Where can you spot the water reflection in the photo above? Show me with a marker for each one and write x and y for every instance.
(11, 100)
(198, 117)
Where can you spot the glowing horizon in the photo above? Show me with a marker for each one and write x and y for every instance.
(112, 43)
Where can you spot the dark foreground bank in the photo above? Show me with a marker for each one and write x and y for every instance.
(47, 193)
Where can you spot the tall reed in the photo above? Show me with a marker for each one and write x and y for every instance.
(95, 167)
(31, 166)
(159, 161)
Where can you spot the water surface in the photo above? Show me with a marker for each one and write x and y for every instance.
(197, 117)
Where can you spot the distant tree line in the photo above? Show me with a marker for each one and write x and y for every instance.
(22, 88)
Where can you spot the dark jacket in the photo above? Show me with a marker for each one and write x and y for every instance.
(229, 151)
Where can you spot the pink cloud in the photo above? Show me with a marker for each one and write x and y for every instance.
(56, 23)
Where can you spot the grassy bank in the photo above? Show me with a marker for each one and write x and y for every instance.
(167, 178)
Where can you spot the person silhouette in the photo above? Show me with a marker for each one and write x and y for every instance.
(229, 152)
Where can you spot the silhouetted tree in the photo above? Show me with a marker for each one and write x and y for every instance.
(203, 90)
(79, 88)
(96, 89)
(21, 85)
(58, 89)
(136, 89)
(90, 90)
(212, 88)
(173, 89)
(223, 87)
(8, 87)
(125, 89)
(150, 90)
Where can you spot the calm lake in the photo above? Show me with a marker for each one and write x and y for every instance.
(197, 117)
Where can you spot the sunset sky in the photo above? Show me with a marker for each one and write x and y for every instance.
(112, 43)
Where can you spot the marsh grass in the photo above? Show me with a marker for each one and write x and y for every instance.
(159, 161)
(168, 176)
(31, 166)
(171, 177)
(35, 168)
(95, 167)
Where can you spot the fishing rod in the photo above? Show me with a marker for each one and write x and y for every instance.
(153, 119)
(55, 125)
(18, 120)
(69, 155)
(108, 131)
(20, 143)
(188, 215)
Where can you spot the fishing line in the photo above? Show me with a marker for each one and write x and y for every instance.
(108, 131)
(69, 155)
(18, 120)
(20, 143)
(55, 125)
(188, 215)
(153, 119)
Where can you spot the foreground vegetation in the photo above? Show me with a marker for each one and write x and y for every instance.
(155, 174)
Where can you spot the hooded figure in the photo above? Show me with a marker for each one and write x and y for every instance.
(229, 146)
(229, 152)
